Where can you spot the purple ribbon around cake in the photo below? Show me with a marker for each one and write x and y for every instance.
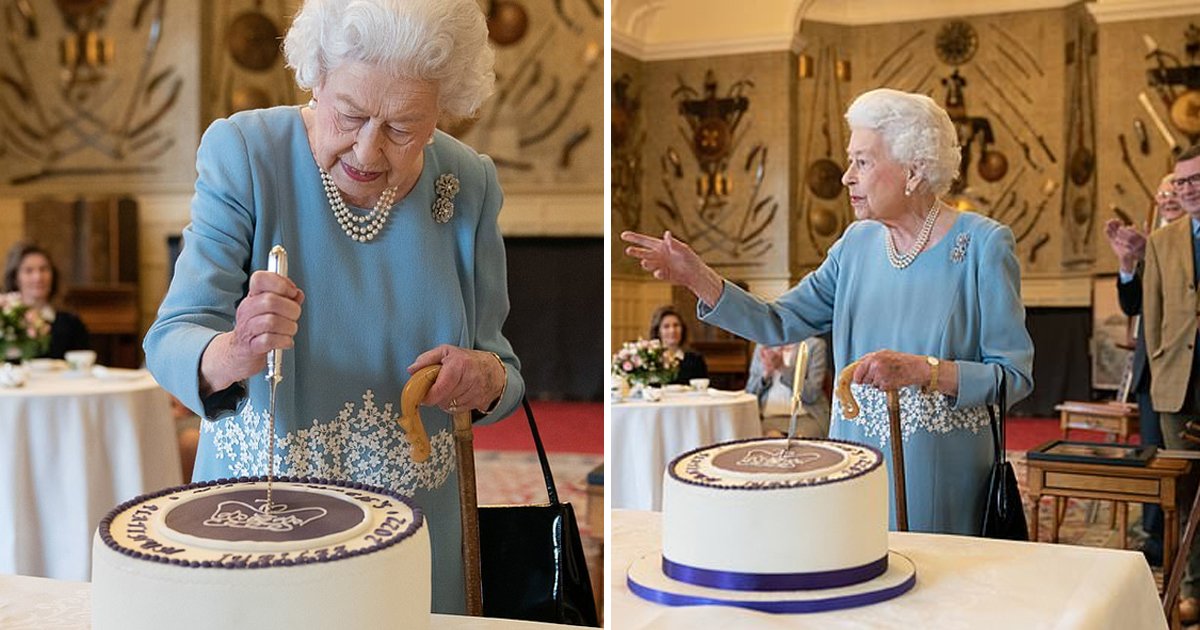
(731, 580)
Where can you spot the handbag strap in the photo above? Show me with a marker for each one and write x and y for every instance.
(997, 418)
(551, 490)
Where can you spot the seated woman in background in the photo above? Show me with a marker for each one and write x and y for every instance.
(772, 373)
(28, 270)
(667, 326)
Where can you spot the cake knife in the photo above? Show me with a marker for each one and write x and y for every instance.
(797, 389)
(276, 263)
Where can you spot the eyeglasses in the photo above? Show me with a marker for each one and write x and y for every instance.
(1180, 182)
(1166, 194)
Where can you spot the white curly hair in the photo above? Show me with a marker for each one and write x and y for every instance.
(917, 132)
(444, 41)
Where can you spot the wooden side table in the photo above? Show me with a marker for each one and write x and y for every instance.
(1113, 417)
(1158, 482)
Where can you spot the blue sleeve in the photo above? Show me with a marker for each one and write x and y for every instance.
(803, 311)
(211, 275)
(491, 295)
(1003, 339)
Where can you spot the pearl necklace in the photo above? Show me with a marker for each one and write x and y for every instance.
(901, 261)
(364, 227)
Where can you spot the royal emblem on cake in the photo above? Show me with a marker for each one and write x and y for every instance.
(323, 554)
(276, 518)
(776, 527)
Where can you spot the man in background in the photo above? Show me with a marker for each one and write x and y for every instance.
(1129, 245)
(1170, 309)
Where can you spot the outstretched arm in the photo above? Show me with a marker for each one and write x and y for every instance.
(674, 261)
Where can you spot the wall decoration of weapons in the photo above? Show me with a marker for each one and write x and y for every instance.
(543, 125)
(627, 139)
(88, 90)
(721, 221)
(1078, 213)
(823, 208)
(244, 58)
(1177, 84)
(1009, 166)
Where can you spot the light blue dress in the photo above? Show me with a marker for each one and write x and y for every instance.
(369, 310)
(959, 300)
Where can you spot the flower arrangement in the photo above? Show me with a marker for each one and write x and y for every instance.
(24, 331)
(646, 362)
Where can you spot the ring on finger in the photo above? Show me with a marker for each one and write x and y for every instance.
(453, 405)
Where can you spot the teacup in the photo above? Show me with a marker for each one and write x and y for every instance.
(651, 394)
(80, 360)
(699, 384)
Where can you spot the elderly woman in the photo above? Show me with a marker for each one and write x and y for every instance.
(925, 298)
(396, 263)
(28, 270)
(667, 326)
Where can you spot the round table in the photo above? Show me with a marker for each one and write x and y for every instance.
(73, 446)
(646, 436)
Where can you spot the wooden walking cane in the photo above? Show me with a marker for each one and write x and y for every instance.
(850, 409)
(414, 431)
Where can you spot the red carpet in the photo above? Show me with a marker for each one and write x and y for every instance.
(1022, 434)
(565, 427)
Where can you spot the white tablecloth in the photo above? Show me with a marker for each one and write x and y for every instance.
(71, 449)
(962, 582)
(28, 603)
(646, 436)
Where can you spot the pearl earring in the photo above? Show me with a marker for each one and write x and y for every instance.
(312, 103)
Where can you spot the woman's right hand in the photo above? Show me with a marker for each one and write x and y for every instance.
(672, 260)
(265, 321)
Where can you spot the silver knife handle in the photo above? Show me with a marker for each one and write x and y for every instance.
(277, 262)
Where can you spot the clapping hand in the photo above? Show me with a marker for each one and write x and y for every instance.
(1127, 242)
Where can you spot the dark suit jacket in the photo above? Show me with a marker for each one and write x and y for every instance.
(67, 332)
(1129, 294)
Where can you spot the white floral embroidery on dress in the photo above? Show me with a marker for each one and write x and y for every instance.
(918, 410)
(364, 444)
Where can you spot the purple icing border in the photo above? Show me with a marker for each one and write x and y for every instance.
(735, 581)
(772, 486)
(106, 523)
(778, 607)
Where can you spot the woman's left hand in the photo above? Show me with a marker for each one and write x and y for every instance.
(888, 370)
(470, 379)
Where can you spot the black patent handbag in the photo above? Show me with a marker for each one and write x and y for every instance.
(1003, 512)
(531, 558)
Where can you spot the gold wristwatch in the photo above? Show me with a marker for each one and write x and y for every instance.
(934, 363)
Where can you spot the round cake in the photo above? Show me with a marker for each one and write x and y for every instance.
(324, 554)
(793, 528)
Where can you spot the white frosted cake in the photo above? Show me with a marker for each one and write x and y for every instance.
(757, 524)
(327, 554)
